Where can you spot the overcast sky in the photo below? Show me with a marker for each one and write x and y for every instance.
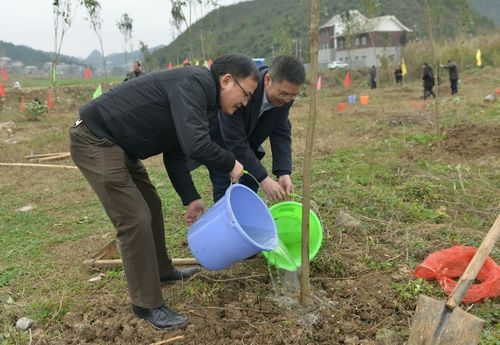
(30, 22)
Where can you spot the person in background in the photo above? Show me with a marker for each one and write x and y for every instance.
(164, 113)
(453, 71)
(398, 75)
(373, 77)
(428, 78)
(137, 72)
(266, 116)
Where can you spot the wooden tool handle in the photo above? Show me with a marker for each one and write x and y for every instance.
(475, 265)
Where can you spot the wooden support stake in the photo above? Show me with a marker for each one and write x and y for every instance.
(33, 165)
(42, 155)
(167, 341)
(53, 158)
(118, 262)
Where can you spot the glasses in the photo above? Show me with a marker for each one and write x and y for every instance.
(283, 95)
(287, 96)
(245, 93)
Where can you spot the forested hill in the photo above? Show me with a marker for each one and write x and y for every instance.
(31, 56)
(258, 27)
(488, 8)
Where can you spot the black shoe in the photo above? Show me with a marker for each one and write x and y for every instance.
(161, 318)
(179, 274)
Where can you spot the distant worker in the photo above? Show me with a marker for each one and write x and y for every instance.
(17, 85)
(428, 79)
(453, 70)
(373, 77)
(137, 72)
(398, 75)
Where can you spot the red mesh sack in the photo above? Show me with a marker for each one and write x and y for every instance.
(446, 264)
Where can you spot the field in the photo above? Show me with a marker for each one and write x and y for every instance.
(407, 192)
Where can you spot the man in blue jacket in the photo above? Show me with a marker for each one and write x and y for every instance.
(266, 116)
(160, 113)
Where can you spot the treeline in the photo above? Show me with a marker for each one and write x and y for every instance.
(31, 56)
(489, 8)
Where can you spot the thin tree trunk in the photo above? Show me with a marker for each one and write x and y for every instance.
(436, 64)
(305, 288)
(103, 59)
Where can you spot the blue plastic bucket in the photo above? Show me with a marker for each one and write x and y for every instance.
(236, 227)
(351, 99)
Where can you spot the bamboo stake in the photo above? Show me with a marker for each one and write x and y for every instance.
(166, 341)
(305, 287)
(41, 155)
(53, 158)
(118, 262)
(37, 165)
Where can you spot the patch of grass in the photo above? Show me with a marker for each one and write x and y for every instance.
(45, 310)
(409, 292)
(489, 311)
(10, 336)
(373, 265)
(333, 265)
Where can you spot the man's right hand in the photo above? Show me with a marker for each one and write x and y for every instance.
(237, 172)
(272, 189)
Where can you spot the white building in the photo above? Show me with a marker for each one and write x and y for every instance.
(361, 42)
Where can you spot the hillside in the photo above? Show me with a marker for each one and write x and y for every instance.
(116, 59)
(247, 28)
(488, 8)
(30, 56)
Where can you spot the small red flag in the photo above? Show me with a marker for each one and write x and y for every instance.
(5, 77)
(347, 80)
(50, 103)
(342, 106)
(87, 73)
(2, 91)
(318, 83)
(22, 104)
(209, 63)
(170, 66)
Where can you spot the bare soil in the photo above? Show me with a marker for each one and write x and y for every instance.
(470, 140)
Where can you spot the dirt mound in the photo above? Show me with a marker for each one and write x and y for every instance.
(471, 140)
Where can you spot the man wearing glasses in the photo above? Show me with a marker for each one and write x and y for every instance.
(265, 116)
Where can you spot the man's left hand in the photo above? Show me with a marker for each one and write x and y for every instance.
(286, 183)
(194, 209)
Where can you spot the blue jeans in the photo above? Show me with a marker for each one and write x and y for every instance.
(221, 182)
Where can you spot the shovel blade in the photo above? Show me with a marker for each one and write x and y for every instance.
(461, 328)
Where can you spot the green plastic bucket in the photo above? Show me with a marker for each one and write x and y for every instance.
(288, 218)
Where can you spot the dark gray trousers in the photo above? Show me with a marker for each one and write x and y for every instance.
(133, 206)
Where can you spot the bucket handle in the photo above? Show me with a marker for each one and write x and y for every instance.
(297, 196)
(246, 172)
(315, 208)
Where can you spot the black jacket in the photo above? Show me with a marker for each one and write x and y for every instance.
(134, 74)
(165, 112)
(243, 133)
(428, 77)
(453, 70)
